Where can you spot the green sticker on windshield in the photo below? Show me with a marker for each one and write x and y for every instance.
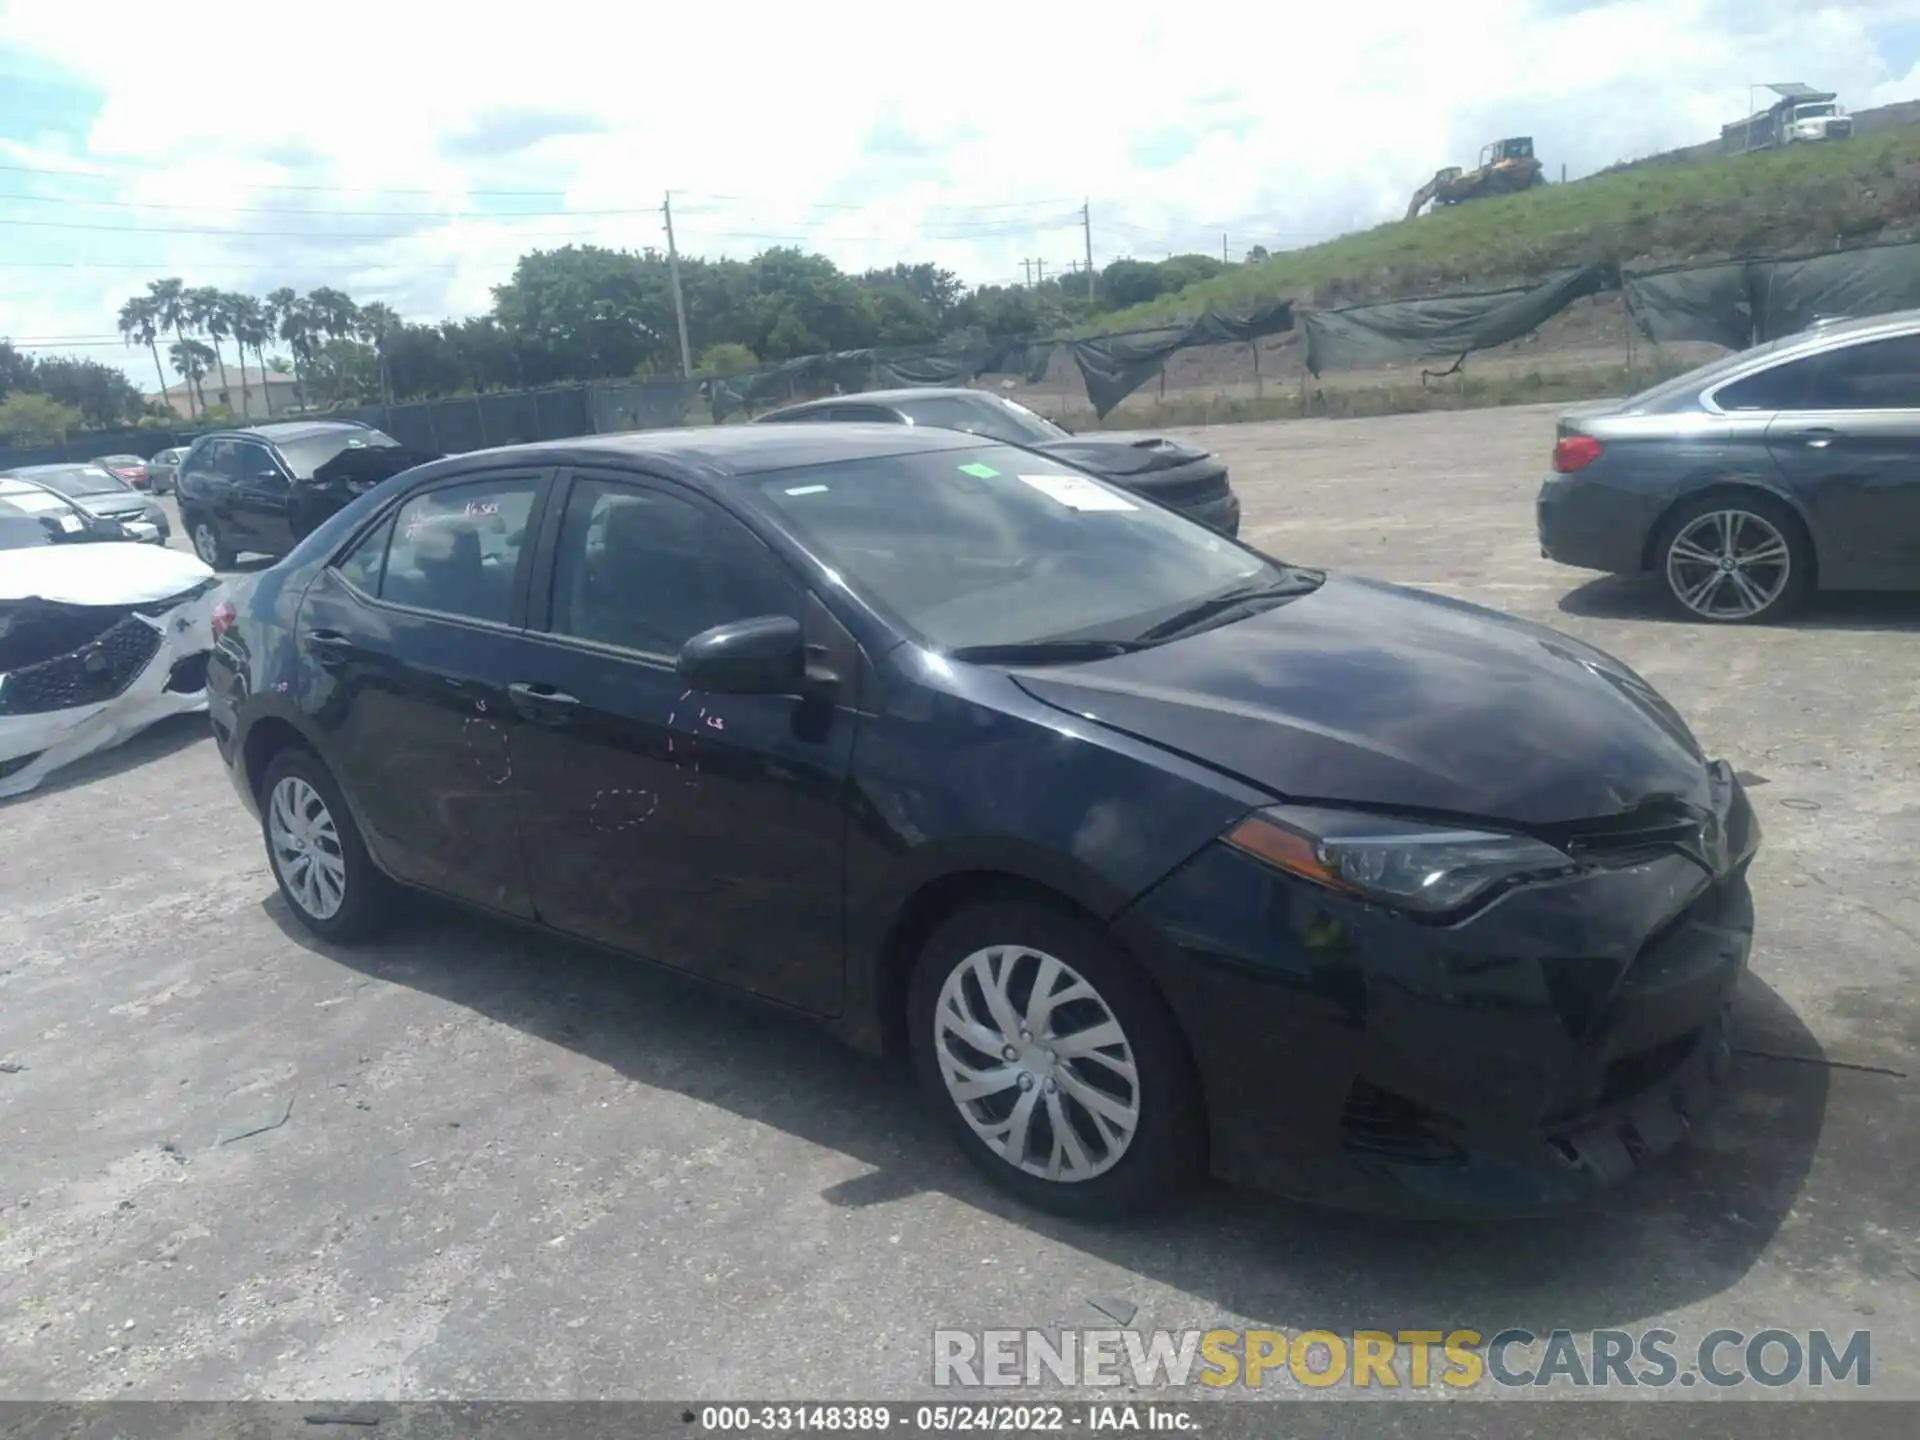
(979, 471)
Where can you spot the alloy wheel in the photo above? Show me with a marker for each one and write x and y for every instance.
(206, 544)
(1729, 565)
(306, 848)
(1037, 1063)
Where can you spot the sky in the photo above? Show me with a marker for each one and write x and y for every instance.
(409, 158)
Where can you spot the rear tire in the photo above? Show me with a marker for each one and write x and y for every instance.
(1101, 1073)
(208, 543)
(315, 851)
(1741, 559)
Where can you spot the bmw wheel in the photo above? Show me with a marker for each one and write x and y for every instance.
(318, 857)
(1735, 559)
(1054, 1062)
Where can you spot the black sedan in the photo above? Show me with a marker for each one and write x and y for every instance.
(1170, 472)
(1153, 852)
(1752, 480)
(102, 495)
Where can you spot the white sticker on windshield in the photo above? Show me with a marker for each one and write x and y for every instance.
(69, 523)
(1077, 492)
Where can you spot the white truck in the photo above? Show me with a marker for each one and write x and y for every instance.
(1801, 115)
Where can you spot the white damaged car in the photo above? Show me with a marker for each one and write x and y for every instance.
(97, 642)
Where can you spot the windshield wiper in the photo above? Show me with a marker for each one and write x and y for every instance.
(1042, 652)
(1295, 583)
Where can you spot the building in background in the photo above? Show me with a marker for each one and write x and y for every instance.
(247, 402)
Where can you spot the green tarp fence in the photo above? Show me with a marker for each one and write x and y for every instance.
(1749, 302)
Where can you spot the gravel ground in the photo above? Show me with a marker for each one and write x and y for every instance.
(471, 1163)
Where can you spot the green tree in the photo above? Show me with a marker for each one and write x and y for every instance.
(729, 357)
(169, 300)
(140, 325)
(101, 393)
(251, 332)
(292, 321)
(30, 419)
(343, 372)
(207, 313)
(190, 360)
(377, 326)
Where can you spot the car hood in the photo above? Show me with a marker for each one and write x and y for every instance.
(1123, 452)
(114, 503)
(361, 467)
(1370, 695)
(110, 573)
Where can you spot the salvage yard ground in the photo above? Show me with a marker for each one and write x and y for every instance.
(467, 1162)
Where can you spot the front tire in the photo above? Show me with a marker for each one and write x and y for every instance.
(1735, 559)
(316, 853)
(1054, 1062)
(208, 543)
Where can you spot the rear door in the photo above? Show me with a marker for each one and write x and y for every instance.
(1848, 443)
(706, 832)
(409, 643)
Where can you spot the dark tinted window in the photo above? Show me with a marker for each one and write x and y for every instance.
(1879, 375)
(455, 550)
(254, 463)
(308, 453)
(366, 563)
(646, 570)
(215, 457)
(1780, 388)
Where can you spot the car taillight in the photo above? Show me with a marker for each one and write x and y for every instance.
(223, 617)
(1572, 452)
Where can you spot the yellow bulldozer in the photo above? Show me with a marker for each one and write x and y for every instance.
(1506, 167)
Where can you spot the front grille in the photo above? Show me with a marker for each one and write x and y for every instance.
(1631, 1074)
(91, 675)
(189, 674)
(1380, 1124)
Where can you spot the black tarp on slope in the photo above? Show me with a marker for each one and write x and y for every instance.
(1114, 366)
(1457, 325)
(1748, 302)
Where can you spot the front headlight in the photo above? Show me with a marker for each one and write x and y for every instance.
(1430, 869)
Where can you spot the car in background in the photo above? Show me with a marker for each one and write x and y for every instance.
(102, 494)
(1152, 851)
(31, 516)
(130, 468)
(259, 490)
(163, 469)
(1170, 472)
(1755, 479)
(97, 642)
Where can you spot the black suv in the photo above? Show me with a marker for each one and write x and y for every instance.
(258, 491)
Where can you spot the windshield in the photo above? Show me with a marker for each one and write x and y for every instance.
(310, 452)
(984, 414)
(29, 500)
(79, 480)
(994, 547)
(20, 531)
(1813, 112)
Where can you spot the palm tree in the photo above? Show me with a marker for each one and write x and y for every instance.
(377, 324)
(207, 313)
(293, 322)
(334, 313)
(169, 298)
(250, 333)
(190, 359)
(139, 325)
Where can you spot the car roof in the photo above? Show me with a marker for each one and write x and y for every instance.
(720, 451)
(118, 455)
(279, 432)
(27, 472)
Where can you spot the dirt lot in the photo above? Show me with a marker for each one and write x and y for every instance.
(471, 1163)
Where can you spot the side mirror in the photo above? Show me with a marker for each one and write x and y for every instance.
(763, 656)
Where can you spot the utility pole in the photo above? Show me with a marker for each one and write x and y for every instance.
(1086, 229)
(1027, 265)
(679, 300)
(1040, 272)
(1223, 249)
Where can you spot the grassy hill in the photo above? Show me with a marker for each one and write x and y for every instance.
(1806, 198)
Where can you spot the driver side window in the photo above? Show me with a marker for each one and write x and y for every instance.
(647, 570)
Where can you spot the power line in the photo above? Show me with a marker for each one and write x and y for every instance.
(1000, 230)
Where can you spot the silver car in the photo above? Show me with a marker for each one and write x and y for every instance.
(1755, 479)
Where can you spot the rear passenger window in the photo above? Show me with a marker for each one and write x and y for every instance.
(455, 550)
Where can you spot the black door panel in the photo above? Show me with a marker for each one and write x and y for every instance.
(704, 832)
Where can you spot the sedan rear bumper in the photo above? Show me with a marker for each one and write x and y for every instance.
(1585, 522)
(1514, 1063)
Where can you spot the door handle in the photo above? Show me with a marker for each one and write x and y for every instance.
(328, 646)
(1818, 439)
(542, 704)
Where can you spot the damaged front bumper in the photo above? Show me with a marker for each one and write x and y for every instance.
(76, 679)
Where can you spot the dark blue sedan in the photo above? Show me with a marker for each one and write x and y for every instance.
(1154, 853)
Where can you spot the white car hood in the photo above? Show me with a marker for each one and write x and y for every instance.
(116, 573)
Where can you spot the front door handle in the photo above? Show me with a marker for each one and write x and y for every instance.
(1818, 439)
(541, 704)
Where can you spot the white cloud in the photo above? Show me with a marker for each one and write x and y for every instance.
(872, 132)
